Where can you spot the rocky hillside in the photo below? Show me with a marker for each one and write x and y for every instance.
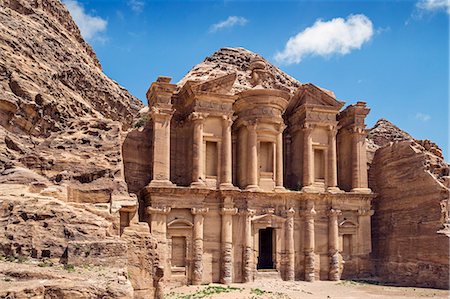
(62, 125)
(237, 60)
(61, 118)
(49, 75)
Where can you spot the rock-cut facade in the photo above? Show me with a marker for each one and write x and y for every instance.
(256, 183)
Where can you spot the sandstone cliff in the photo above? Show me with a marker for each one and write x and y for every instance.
(63, 198)
(410, 228)
(62, 121)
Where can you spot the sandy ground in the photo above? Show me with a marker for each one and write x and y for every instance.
(270, 289)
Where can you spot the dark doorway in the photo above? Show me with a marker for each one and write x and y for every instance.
(265, 258)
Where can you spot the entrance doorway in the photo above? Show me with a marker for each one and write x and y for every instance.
(265, 258)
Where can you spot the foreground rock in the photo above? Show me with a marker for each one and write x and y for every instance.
(48, 279)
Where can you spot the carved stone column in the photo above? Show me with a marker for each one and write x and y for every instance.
(359, 163)
(308, 162)
(248, 247)
(252, 157)
(226, 276)
(309, 247)
(335, 271)
(161, 150)
(197, 271)
(290, 246)
(279, 161)
(226, 176)
(158, 229)
(197, 150)
(332, 160)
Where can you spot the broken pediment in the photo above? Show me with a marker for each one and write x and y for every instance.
(313, 96)
(220, 85)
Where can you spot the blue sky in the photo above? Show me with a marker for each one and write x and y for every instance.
(392, 54)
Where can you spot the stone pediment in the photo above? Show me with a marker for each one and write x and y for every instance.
(220, 85)
(268, 218)
(180, 224)
(313, 96)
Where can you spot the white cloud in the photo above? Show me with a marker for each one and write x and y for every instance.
(89, 25)
(229, 22)
(136, 5)
(422, 116)
(325, 38)
(434, 5)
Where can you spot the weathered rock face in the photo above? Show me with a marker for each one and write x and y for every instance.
(42, 227)
(410, 228)
(60, 116)
(237, 60)
(49, 75)
(30, 279)
(62, 125)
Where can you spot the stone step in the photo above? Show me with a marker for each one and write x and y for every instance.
(271, 274)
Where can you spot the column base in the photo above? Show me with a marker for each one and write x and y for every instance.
(252, 188)
(312, 189)
(161, 184)
(280, 189)
(335, 190)
(227, 186)
(199, 184)
(361, 190)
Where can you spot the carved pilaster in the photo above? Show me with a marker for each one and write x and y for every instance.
(308, 175)
(197, 271)
(248, 246)
(279, 156)
(332, 159)
(335, 270)
(290, 245)
(310, 256)
(227, 244)
(197, 149)
(226, 176)
(252, 157)
(161, 117)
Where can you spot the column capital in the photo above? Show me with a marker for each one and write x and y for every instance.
(227, 119)
(307, 127)
(308, 213)
(251, 124)
(248, 212)
(332, 130)
(162, 114)
(158, 210)
(199, 211)
(334, 213)
(228, 211)
(197, 116)
(289, 213)
(280, 127)
(364, 212)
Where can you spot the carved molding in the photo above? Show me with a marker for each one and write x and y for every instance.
(364, 212)
(199, 211)
(228, 211)
(158, 210)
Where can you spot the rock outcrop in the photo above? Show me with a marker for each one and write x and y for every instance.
(237, 60)
(410, 228)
